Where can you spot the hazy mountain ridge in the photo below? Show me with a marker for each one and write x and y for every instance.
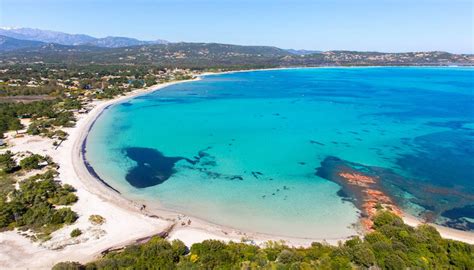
(118, 42)
(302, 52)
(47, 36)
(9, 44)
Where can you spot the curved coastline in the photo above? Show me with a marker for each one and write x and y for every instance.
(216, 230)
(101, 188)
(126, 223)
(83, 154)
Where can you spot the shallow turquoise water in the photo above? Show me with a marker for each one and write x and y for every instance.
(241, 149)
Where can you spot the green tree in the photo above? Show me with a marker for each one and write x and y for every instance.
(212, 254)
(394, 262)
(32, 162)
(14, 124)
(7, 162)
(68, 266)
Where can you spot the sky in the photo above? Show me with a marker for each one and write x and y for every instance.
(364, 25)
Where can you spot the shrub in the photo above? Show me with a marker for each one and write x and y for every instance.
(363, 255)
(32, 205)
(68, 216)
(7, 163)
(376, 236)
(64, 196)
(386, 218)
(31, 162)
(96, 219)
(384, 248)
(341, 263)
(33, 129)
(394, 262)
(68, 266)
(179, 249)
(76, 232)
(212, 254)
(287, 256)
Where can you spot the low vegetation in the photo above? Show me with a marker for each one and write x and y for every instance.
(45, 116)
(7, 162)
(392, 245)
(51, 95)
(96, 219)
(32, 162)
(40, 99)
(37, 204)
(75, 233)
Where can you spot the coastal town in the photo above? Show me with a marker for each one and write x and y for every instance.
(60, 93)
(90, 82)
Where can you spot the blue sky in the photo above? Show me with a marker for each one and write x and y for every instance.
(368, 25)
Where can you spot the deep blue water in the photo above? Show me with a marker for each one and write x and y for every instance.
(242, 149)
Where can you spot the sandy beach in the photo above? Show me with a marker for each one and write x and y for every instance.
(126, 221)
(123, 222)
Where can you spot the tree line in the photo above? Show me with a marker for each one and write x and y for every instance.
(392, 245)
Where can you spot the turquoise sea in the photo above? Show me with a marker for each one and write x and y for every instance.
(242, 149)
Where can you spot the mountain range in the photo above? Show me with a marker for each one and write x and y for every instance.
(47, 36)
(9, 44)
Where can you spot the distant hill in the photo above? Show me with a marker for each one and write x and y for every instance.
(9, 44)
(198, 55)
(127, 51)
(47, 36)
(118, 42)
(302, 52)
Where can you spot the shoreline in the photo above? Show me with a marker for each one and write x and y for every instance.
(99, 197)
(17, 251)
(445, 232)
(411, 220)
(89, 167)
(219, 231)
(322, 67)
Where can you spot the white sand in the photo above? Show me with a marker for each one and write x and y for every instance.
(125, 223)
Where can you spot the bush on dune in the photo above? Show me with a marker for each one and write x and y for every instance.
(35, 205)
(393, 245)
